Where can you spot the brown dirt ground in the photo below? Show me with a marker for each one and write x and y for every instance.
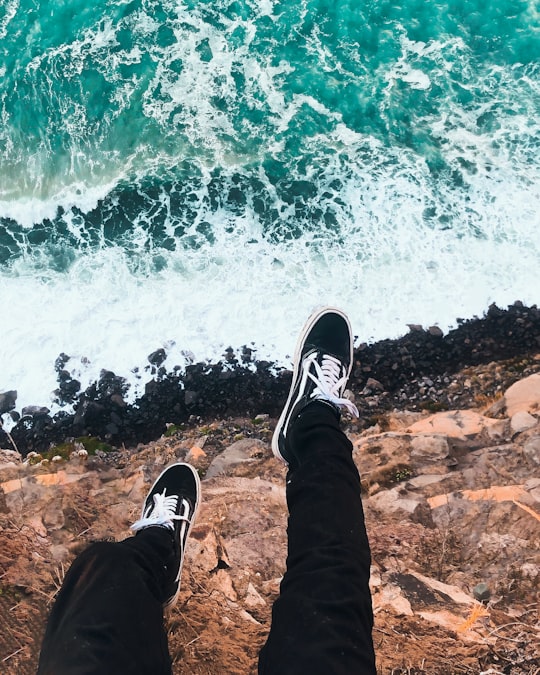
(211, 635)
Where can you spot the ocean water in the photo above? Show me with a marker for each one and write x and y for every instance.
(194, 175)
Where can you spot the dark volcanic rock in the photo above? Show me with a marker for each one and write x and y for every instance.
(61, 361)
(35, 411)
(158, 357)
(501, 334)
(68, 387)
(7, 401)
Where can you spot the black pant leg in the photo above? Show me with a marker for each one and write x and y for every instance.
(323, 619)
(108, 616)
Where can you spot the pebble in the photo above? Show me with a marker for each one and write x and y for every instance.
(481, 592)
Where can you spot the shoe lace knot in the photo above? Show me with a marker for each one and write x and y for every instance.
(330, 379)
(162, 512)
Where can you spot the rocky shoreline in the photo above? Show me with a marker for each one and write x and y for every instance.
(424, 369)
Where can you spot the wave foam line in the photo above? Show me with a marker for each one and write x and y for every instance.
(104, 315)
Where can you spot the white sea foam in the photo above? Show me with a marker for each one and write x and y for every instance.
(31, 210)
(389, 271)
(9, 11)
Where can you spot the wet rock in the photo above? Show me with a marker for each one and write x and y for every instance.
(68, 388)
(247, 354)
(35, 411)
(112, 429)
(117, 400)
(7, 401)
(157, 358)
(61, 361)
(190, 397)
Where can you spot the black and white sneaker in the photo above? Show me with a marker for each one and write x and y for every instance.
(172, 502)
(322, 365)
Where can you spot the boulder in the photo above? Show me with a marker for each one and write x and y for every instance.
(158, 357)
(35, 411)
(7, 401)
(523, 396)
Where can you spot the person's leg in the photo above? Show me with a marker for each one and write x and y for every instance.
(108, 616)
(322, 621)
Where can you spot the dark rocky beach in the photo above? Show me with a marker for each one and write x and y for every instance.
(424, 370)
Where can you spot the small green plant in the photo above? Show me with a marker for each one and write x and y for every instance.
(89, 443)
(389, 474)
(92, 445)
(63, 450)
(402, 474)
(172, 430)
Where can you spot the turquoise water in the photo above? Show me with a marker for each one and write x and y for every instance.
(201, 174)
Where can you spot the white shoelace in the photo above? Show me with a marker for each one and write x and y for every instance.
(163, 512)
(330, 380)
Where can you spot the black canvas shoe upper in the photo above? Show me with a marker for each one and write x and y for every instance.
(322, 364)
(172, 502)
